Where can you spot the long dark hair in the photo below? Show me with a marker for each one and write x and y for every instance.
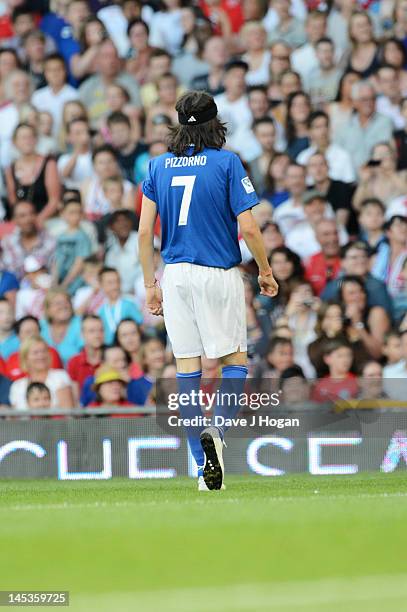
(211, 135)
(291, 130)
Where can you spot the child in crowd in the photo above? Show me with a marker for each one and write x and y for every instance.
(76, 166)
(89, 298)
(371, 220)
(126, 143)
(34, 287)
(38, 396)
(279, 357)
(340, 383)
(73, 246)
(392, 348)
(115, 307)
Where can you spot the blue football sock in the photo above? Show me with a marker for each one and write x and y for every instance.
(233, 381)
(186, 384)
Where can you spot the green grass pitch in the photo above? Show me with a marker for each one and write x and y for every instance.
(292, 543)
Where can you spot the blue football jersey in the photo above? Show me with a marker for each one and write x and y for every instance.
(198, 199)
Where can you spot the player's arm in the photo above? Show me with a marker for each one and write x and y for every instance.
(254, 240)
(146, 254)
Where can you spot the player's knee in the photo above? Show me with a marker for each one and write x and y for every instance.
(238, 358)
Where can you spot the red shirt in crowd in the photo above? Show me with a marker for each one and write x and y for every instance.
(319, 271)
(79, 368)
(232, 8)
(330, 389)
(3, 368)
(13, 367)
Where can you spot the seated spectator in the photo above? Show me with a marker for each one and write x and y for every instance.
(25, 328)
(368, 324)
(291, 210)
(379, 178)
(215, 54)
(34, 287)
(394, 389)
(105, 165)
(159, 64)
(288, 28)
(390, 260)
(26, 239)
(152, 357)
(166, 28)
(323, 266)
(392, 348)
(295, 388)
(71, 111)
(129, 338)
(339, 161)
(341, 110)
(332, 324)
(115, 307)
(138, 55)
(257, 56)
(337, 193)
(122, 249)
(76, 166)
(323, 80)
(86, 362)
(35, 361)
(127, 147)
(275, 190)
(89, 298)
(84, 63)
(355, 261)
(9, 286)
(18, 89)
(257, 321)
(73, 246)
(113, 357)
(8, 338)
(371, 222)
(340, 383)
(389, 98)
(57, 92)
(301, 319)
(279, 357)
(288, 271)
(60, 328)
(38, 396)
(364, 56)
(167, 90)
(110, 389)
(371, 382)
(108, 70)
(365, 128)
(305, 59)
(33, 177)
(306, 239)
(265, 134)
(394, 54)
(297, 130)
(24, 23)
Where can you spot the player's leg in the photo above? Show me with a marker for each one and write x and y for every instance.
(221, 315)
(187, 348)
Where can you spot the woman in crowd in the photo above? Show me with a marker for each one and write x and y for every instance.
(83, 64)
(152, 358)
(74, 109)
(382, 181)
(341, 110)
(33, 177)
(18, 89)
(393, 53)
(257, 56)
(129, 338)
(276, 191)
(367, 324)
(35, 360)
(105, 166)
(25, 328)
(364, 55)
(301, 313)
(140, 50)
(298, 110)
(60, 328)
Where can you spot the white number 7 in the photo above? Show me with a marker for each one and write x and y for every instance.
(188, 183)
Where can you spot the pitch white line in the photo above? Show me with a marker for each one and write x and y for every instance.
(296, 595)
(201, 499)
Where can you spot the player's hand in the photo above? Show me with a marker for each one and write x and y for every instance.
(154, 301)
(268, 284)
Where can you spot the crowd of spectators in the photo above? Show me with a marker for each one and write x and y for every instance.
(314, 95)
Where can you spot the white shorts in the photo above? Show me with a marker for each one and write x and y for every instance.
(204, 310)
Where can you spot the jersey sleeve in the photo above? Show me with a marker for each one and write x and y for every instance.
(242, 194)
(148, 184)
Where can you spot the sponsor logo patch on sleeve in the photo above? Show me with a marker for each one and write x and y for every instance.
(247, 184)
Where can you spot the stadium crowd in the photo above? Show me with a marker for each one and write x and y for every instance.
(314, 95)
